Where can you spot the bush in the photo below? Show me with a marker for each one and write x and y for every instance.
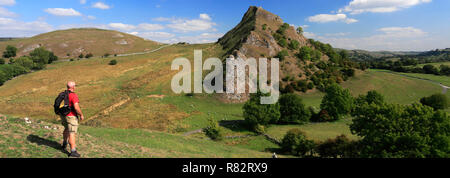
(10, 51)
(113, 62)
(282, 55)
(213, 130)
(25, 62)
(89, 55)
(41, 57)
(340, 147)
(256, 113)
(305, 53)
(337, 101)
(294, 44)
(264, 26)
(81, 56)
(2, 61)
(436, 101)
(397, 131)
(293, 110)
(430, 69)
(106, 55)
(295, 142)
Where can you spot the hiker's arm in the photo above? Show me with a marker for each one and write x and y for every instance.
(78, 110)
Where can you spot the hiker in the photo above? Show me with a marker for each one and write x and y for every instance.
(70, 118)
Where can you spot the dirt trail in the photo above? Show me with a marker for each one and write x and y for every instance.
(109, 109)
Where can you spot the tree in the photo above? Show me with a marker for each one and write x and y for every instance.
(305, 53)
(81, 56)
(2, 61)
(282, 55)
(295, 142)
(293, 110)
(11, 51)
(294, 44)
(52, 58)
(337, 101)
(436, 101)
(430, 69)
(256, 113)
(340, 147)
(213, 130)
(40, 57)
(300, 30)
(24, 62)
(397, 131)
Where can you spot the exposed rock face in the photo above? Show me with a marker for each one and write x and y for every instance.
(122, 42)
(31, 48)
(253, 38)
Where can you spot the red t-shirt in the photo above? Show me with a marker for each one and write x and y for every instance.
(73, 98)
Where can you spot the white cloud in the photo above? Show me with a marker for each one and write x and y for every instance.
(325, 18)
(101, 5)
(155, 35)
(6, 13)
(388, 38)
(140, 28)
(82, 1)
(190, 25)
(13, 28)
(90, 17)
(62, 12)
(149, 27)
(379, 6)
(122, 26)
(205, 17)
(7, 2)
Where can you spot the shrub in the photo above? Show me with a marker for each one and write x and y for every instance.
(113, 62)
(335, 148)
(213, 130)
(2, 61)
(256, 113)
(24, 62)
(264, 26)
(337, 101)
(430, 69)
(300, 30)
(436, 101)
(41, 57)
(295, 142)
(81, 56)
(89, 55)
(305, 53)
(10, 52)
(397, 131)
(293, 110)
(283, 42)
(106, 55)
(282, 55)
(294, 44)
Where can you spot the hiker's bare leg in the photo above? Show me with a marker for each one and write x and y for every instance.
(72, 141)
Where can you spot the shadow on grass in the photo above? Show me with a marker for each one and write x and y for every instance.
(234, 125)
(42, 141)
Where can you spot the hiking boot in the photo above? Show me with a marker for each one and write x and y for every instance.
(64, 146)
(74, 154)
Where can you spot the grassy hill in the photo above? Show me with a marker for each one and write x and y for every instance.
(82, 41)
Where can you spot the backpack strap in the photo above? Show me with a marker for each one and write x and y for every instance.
(66, 97)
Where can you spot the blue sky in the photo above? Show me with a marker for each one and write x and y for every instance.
(395, 25)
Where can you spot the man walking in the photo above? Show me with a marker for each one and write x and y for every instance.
(71, 121)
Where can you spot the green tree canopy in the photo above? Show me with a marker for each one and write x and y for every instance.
(436, 101)
(337, 101)
(11, 51)
(293, 110)
(256, 113)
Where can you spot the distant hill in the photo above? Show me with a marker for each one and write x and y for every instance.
(264, 34)
(363, 55)
(73, 42)
(437, 55)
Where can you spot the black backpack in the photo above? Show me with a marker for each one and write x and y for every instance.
(60, 109)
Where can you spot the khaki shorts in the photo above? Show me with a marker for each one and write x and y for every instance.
(70, 123)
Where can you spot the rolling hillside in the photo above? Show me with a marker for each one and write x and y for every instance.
(131, 110)
(82, 41)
